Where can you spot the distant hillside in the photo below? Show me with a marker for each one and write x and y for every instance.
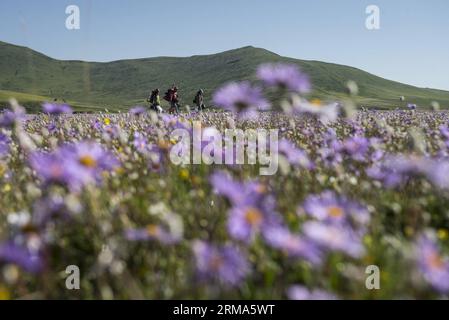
(119, 84)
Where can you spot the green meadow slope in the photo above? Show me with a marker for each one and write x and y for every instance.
(32, 77)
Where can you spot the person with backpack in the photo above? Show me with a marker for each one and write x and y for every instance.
(199, 100)
(155, 101)
(172, 97)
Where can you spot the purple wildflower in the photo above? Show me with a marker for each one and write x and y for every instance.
(334, 238)
(140, 142)
(331, 157)
(28, 259)
(112, 130)
(433, 266)
(292, 244)
(241, 98)
(138, 110)
(377, 155)
(96, 124)
(253, 209)
(298, 292)
(4, 145)
(156, 155)
(152, 232)
(73, 165)
(437, 172)
(48, 210)
(248, 218)
(395, 170)
(388, 178)
(52, 168)
(225, 264)
(169, 120)
(331, 151)
(294, 155)
(56, 109)
(9, 117)
(356, 147)
(237, 192)
(285, 76)
(444, 131)
(338, 210)
(90, 156)
(51, 127)
(226, 186)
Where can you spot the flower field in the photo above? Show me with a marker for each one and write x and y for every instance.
(100, 192)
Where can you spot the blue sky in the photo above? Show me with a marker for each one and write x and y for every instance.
(410, 47)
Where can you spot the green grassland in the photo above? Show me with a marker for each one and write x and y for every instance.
(116, 85)
(34, 102)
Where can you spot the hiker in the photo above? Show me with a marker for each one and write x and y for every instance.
(199, 100)
(172, 97)
(155, 101)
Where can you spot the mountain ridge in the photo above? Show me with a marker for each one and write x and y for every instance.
(123, 83)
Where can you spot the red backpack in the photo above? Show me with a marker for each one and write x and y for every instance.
(168, 95)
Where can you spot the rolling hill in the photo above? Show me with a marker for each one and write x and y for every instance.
(32, 77)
